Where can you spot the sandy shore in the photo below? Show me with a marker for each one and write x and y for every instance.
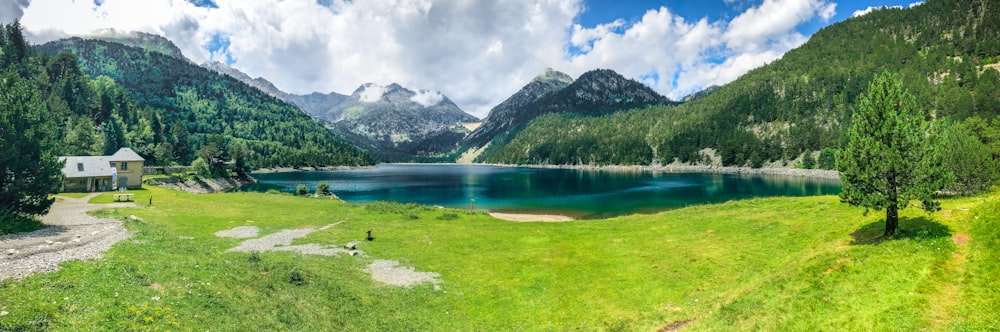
(524, 217)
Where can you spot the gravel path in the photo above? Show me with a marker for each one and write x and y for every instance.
(71, 234)
(280, 241)
(389, 272)
(381, 270)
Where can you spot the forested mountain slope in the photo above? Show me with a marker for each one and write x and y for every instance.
(216, 111)
(595, 93)
(802, 102)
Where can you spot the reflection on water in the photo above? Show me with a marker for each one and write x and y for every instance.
(579, 193)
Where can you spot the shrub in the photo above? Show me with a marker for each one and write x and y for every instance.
(808, 162)
(828, 158)
(448, 216)
(301, 190)
(323, 189)
(201, 168)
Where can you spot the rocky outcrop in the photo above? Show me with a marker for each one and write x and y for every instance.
(203, 186)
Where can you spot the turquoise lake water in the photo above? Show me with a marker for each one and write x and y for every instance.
(583, 194)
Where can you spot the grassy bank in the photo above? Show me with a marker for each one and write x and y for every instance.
(778, 263)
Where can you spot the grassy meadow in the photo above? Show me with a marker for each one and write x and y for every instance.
(764, 264)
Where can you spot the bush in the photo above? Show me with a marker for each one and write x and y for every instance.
(828, 159)
(201, 168)
(448, 216)
(808, 162)
(969, 160)
(323, 189)
(301, 190)
(11, 223)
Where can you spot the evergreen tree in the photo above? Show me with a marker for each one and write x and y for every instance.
(29, 168)
(887, 161)
(969, 160)
(114, 136)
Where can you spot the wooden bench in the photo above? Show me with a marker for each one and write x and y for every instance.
(124, 197)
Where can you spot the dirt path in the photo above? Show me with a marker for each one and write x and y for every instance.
(72, 234)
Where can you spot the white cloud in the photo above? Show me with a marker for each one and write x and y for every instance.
(874, 8)
(476, 52)
(427, 98)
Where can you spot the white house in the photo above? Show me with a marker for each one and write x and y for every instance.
(103, 173)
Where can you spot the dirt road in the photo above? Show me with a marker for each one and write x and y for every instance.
(72, 234)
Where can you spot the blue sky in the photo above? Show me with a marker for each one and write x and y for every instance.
(476, 52)
(603, 11)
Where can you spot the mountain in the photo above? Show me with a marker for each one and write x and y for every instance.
(317, 103)
(216, 111)
(512, 112)
(146, 41)
(700, 94)
(405, 125)
(799, 106)
(397, 123)
(260, 83)
(595, 93)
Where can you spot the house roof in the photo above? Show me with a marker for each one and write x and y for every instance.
(126, 154)
(96, 166)
(86, 166)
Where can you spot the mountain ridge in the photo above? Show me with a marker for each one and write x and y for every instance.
(595, 93)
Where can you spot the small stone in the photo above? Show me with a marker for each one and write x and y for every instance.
(351, 245)
(4, 313)
(352, 253)
(133, 217)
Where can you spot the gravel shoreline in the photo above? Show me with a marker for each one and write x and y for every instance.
(71, 234)
(811, 173)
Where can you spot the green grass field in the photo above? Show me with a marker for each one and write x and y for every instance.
(764, 264)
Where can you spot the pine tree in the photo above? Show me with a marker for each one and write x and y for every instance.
(29, 168)
(888, 160)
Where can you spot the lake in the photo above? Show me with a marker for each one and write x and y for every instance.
(584, 194)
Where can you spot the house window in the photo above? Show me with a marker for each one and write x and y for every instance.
(124, 166)
(79, 167)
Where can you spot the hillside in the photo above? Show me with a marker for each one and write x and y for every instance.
(217, 111)
(801, 103)
(595, 93)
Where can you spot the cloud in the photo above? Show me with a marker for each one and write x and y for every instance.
(874, 8)
(11, 10)
(476, 52)
(685, 57)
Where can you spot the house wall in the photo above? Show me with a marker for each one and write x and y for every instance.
(132, 171)
(75, 184)
(86, 184)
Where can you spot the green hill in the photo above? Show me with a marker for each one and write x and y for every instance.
(800, 103)
(216, 111)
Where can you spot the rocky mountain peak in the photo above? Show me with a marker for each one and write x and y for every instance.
(146, 41)
(260, 83)
(552, 75)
